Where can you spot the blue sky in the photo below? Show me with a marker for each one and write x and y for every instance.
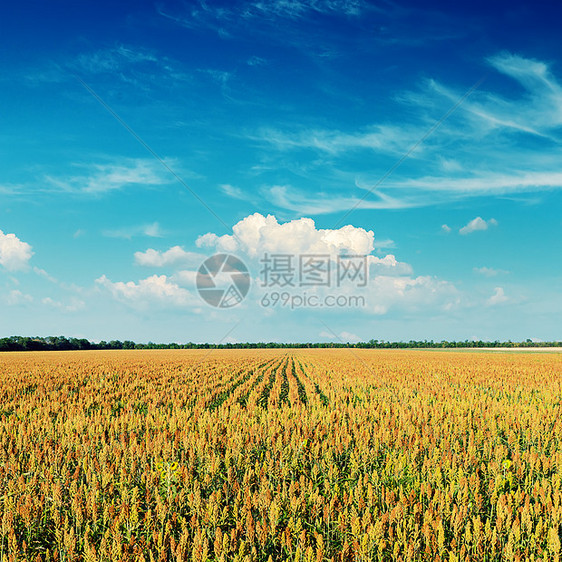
(138, 139)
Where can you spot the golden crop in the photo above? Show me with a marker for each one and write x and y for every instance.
(267, 455)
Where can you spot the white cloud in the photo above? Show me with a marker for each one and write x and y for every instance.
(379, 138)
(113, 60)
(299, 8)
(349, 337)
(477, 224)
(423, 191)
(343, 336)
(542, 108)
(16, 297)
(422, 292)
(14, 253)
(389, 265)
(445, 228)
(224, 19)
(287, 197)
(101, 178)
(157, 289)
(380, 309)
(484, 133)
(489, 271)
(174, 256)
(11, 189)
(498, 297)
(382, 244)
(185, 277)
(256, 235)
(481, 183)
(72, 306)
(450, 165)
(152, 230)
(390, 284)
(256, 61)
(233, 191)
(388, 294)
(44, 274)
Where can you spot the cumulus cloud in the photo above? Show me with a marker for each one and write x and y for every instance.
(14, 253)
(477, 224)
(185, 277)
(390, 283)
(412, 293)
(498, 297)
(256, 235)
(156, 289)
(445, 228)
(388, 265)
(173, 257)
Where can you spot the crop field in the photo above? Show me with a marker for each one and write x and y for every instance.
(269, 455)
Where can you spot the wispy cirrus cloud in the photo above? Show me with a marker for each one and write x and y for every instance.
(490, 146)
(299, 8)
(480, 182)
(383, 138)
(130, 64)
(293, 199)
(407, 193)
(233, 191)
(489, 271)
(113, 59)
(151, 230)
(11, 189)
(97, 179)
(223, 18)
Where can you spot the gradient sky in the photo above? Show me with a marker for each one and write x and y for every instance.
(134, 136)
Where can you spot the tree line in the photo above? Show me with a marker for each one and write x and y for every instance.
(61, 343)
